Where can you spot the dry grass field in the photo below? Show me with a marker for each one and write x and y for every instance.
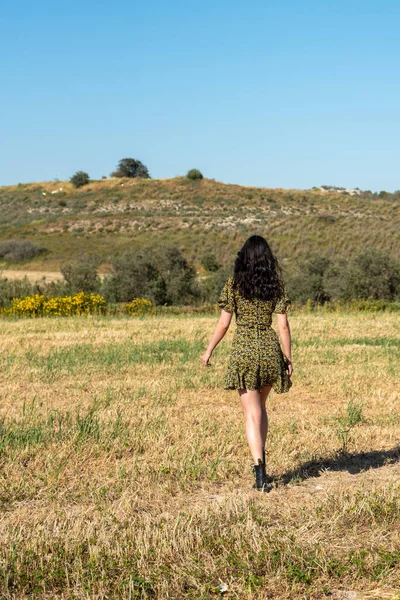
(125, 471)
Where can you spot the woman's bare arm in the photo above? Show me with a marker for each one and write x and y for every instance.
(284, 333)
(219, 332)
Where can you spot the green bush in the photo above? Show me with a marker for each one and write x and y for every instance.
(20, 288)
(210, 287)
(374, 275)
(309, 282)
(194, 174)
(210, 263)
(178, 276)
(133, 273)
(51, 289)
(19, 250)
(14, 288)
(336, 280)
(79, 179)
(81, 275)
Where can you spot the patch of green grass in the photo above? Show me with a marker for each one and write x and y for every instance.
(34, 429)
(28, 571)
(373, 507)
(384, 342)
(70, 360)
(344, 424)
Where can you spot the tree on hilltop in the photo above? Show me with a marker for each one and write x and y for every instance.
(79, 179)
(194, 174)
(129, 167)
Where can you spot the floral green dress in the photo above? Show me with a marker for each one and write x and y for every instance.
(256, 358)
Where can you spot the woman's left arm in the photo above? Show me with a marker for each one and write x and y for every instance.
(219, 332)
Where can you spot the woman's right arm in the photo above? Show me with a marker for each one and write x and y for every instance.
(284, 333)
(219, 332)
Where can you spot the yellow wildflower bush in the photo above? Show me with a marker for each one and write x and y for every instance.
(31, 306)
(139, 306)
(61, 306)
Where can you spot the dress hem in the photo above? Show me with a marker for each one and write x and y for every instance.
(249, 389)
(241, 385)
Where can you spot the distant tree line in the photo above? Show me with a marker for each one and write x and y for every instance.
(164, 276)
(371, 275)
(367, 194)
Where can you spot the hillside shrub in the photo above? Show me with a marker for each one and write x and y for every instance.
(309, 282)
(194, 174)
(374, 275)
(13, 288)
(81, 275)
(336, 280)
(20, 288)
(178, 277)
(50, 289)
(19, 250)
(210, 263)
(133, 274)
(210, 287)
(79, 179)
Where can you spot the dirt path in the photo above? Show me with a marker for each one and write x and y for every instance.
(31, 275)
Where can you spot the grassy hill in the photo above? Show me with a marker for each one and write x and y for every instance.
(113, 215)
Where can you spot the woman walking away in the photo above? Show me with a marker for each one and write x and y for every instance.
(256, 363)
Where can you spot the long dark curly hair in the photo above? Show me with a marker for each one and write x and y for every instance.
(257, 273)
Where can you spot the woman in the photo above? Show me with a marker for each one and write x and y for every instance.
(256, 363)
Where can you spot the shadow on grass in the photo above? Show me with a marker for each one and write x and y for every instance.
(352, 462)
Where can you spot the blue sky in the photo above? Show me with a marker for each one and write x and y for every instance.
(275, 93)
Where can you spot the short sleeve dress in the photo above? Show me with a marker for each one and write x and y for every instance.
(256, 357)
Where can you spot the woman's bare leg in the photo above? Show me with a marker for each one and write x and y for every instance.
(264, 417)
(252, 409)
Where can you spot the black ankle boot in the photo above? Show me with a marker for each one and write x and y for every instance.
(260, 475)
(269, 479)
